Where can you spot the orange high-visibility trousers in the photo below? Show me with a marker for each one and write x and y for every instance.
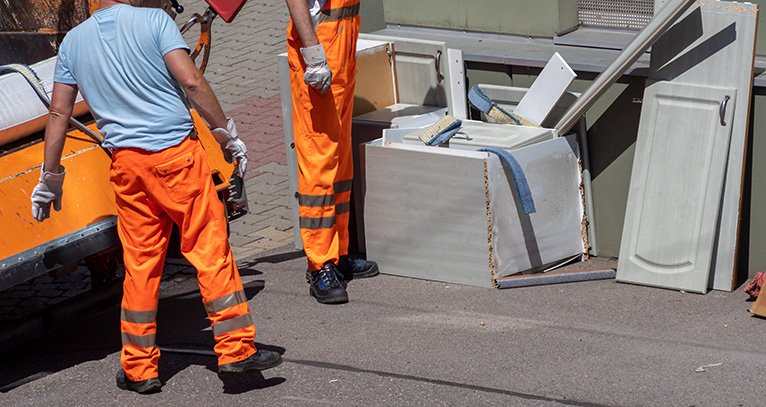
(153, 190)
(322, 133)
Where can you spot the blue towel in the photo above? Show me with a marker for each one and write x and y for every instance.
(479, 100)
(519, 179)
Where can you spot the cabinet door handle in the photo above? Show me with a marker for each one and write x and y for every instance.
(438, 58)
(722, 110)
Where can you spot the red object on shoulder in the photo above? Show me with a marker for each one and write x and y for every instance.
(227, 9)
(753, 288)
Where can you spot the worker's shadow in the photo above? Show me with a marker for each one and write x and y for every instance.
(185, 338)
(175, 359)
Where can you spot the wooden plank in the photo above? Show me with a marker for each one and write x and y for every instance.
(546, 90)
(675, 189)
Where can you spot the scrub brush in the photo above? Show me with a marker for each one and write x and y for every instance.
(479, 100)
(441, 131)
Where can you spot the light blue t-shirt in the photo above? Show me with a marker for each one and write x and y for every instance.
(115, 59)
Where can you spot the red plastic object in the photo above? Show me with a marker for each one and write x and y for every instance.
(227, 9)
(754, 287)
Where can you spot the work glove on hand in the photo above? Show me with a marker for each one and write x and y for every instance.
(318, 75)
(47, 191)
(233, 148)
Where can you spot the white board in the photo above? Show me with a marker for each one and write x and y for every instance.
(546, 91)
(713, 44)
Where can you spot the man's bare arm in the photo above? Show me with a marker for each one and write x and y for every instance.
(62, 104)
(299, 11)
(196, 87)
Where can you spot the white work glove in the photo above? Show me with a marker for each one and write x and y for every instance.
(233, 148)
(47, 191)
(318, 75)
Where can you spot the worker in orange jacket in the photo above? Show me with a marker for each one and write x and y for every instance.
(133, 70)
(321, 50)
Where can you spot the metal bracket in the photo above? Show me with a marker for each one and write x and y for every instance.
(205, 21)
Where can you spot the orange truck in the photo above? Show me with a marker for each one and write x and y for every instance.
(85, 229)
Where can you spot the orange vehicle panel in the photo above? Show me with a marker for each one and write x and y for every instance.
(88, 198)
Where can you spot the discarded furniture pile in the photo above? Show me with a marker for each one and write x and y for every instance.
(488, 185)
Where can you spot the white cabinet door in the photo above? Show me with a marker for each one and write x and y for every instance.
(422, 72)
(675, 191)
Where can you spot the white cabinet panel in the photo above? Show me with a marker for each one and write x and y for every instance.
(675, 194)
(713, 44)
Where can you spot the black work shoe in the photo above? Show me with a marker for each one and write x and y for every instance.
(325, 286)
(354, 267)
(144, 386)
(261, 360)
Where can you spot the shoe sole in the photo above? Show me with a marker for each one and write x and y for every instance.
(367, 274)
(151, 386)
(230, 371)
(372, 273)
(338, 299)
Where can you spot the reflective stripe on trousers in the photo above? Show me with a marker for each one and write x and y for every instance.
(322, 132)
(153, 190)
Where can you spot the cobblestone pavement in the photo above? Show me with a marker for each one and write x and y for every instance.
(242, 70)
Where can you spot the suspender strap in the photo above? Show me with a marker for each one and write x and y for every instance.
(337, 14)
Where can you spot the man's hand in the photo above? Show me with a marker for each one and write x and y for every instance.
(47, 191)
(318, 75)
(233, 148)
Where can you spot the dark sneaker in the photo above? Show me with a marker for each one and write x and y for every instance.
(354, 267)
(144, 386)
(261, 360)
(325, 286)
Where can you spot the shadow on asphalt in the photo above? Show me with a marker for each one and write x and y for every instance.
(247, 382)
(93, 334)
(246, 266)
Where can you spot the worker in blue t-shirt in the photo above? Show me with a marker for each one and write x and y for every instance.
(133, 69)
